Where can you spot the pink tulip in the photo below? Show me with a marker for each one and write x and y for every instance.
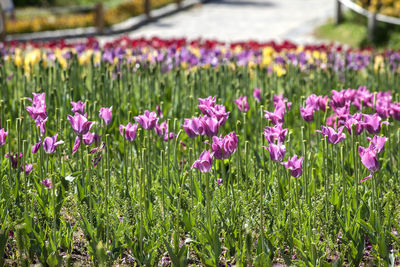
(78, 107)
(242, 104)
(3, 136)
(295, 166)
(377, 143)
(204, 163)
(276, 151)
(50, 144)
(275, 133)
(193, 127)
(373, 123)
(148, 121)
(206, 103)
(276, 117)
(106, 114)
(210, 125)
(307, 113)
(80, 124)
(224, 147)
(46, 183)
(88, 138)
(369, 160)
(257, 94)
(333, 136)
(130, 131)
(14, 158)
(77, 144)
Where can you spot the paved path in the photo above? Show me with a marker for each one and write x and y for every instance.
(238, 20)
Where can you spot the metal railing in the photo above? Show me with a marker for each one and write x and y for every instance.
(372, 17)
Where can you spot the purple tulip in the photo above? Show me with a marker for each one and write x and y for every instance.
(210, 125)
(276, 117)
(219, 112)
(204, 163)
(377, 143)
(130, 131)
(395, 111)
(275, 133)
(80, 124)
(206, 103)
(193, 127)
(46, 183)
(159, 112)
(219, 181)
(354, 120)
(78, 107)
(224, 147)
(257, 94)
(27, 169)
(373, 123)
(276, 151)
(38, 108)
(50, 144)
(162, 131)
(3, 136)
(88, 138)
(369, 160)
(333, 136)
(281, 102)
(106, 114)
(36, 147)
(295, 166)
(242, 104)
(148, 121)
(14, 159)
(77, 143)
(307, 113)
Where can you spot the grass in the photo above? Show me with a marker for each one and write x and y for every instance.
(353, 32)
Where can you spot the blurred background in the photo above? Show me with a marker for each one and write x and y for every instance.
(359, 24)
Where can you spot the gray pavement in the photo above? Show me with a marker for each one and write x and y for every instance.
(240, 20)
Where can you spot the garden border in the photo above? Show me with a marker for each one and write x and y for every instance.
(125, 26)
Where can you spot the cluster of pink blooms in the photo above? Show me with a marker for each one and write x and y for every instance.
(276, 135)
(214, 116)
(361, 99)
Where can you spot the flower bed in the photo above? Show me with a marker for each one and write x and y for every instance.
(112, 16)
(159, 152)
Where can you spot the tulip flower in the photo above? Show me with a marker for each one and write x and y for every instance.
(224, 147)
(50, 144)
(38, 108)
(218, 112)
(210, 125)
(14, 159)
(77, 144)
(333, 136)
(295, 166)
(106, 114)
(369, 160)
(162, 131)
(276, 117)
(275, 133)
(276, 151)
(130, 131)
(395, 111)
(88, 138)
(257, 94)
(78, 107)
(193, 127)
(3, 136)
(242, 104)
(27, 168)
(354, 120)
(148, 121)
(307, 113)
(205, 104)
(47, 183)
(281, 102)
(373, 123)
(204, 163)
(80, 124)
(377, 143)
